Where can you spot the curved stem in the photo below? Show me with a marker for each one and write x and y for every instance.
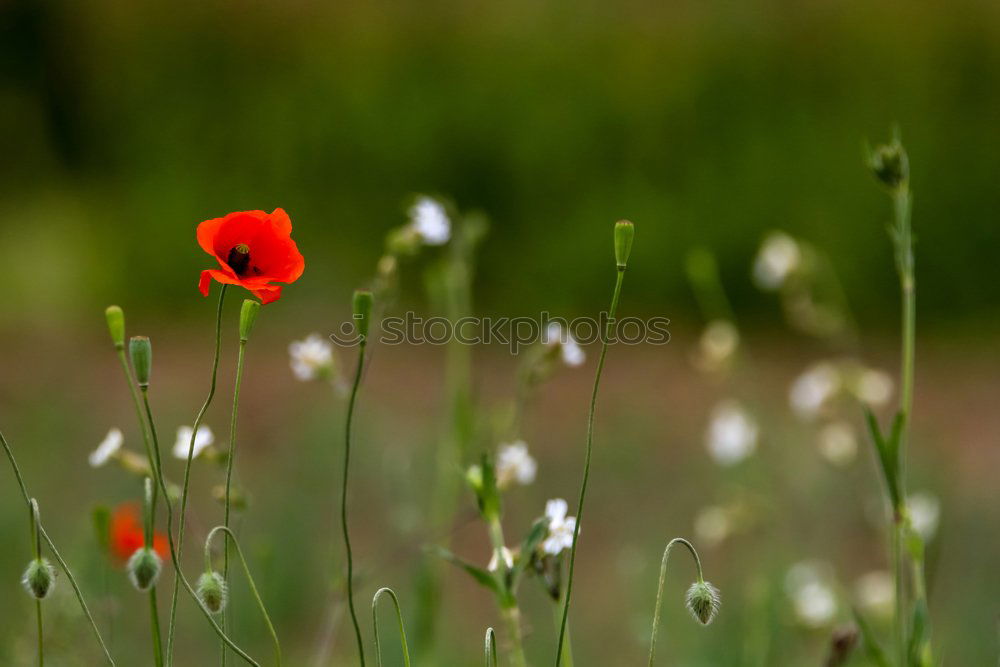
(173, 547)
(229, 474)
(250, 581)
(187, 473)
(586, 465)
(659, 588)
(137, 404)
(490, 648)
(55, 552)
(343, 499)
(399, 620)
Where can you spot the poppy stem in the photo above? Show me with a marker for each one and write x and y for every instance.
(343, 497)
(606, 334)
(187, 473)
(36, 543)
(154, 620)
(659, 588)
(55, 552)
(229, 479)
(170, 538)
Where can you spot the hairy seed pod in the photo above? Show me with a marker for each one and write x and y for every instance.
(212, 591)
(144, 568)
(703, 601)
(39, 579)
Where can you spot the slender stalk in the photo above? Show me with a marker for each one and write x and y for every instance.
(512, 617)
(253, 587)
(567, 657)
(187, 474)
(606, 334)
(343, 498)
(509, 609)
(55, 552)
(229, 475)
(36, 542)
(149, 517)
(490, 648)
(170, 538)
(659, 588)
(154, 619)
(399, 621)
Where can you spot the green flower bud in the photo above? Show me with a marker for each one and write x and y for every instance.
(212, 591)
(116, 325)
(624, 233)
(144, 568)
(890, 164)
(474, 476)
(141, 352)
(363, 311)
(248, 315)
(39, 578)
(703, 601)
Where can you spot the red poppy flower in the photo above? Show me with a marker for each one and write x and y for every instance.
(127, 534)
(253, 248)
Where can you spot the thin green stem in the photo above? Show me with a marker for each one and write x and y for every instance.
(41, 643)
(343, 499)
(55, 552)
(187, 473)
(229, 474)
(659, 587)
(490, 648)
(154, 620)
(567, 658)
(137, 403)
(509, 609)
(253, 587)
(36, 543)
(399, 621)
(606, 334)
(173, 547)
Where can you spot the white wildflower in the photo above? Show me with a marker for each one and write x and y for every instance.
(515, 464)
(732, 433)
(712, 525)
(779, 256)
(837, 443)
(717, 344)
(561, 527)
(204, 439)
(873, 387)
(925, 511)
(569, 350)
(508, 559)
(814, 389)
(312, 358)
(430, 221)
(876, 593)
(109, 447)
(813, 599)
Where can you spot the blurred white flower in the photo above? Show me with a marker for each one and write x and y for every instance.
(779, 256)
(508, 559)
(712, 525)
(925, 511)
(813, 599)
(717, 344)
(873, 387)
(109, 447)
(876, 593)
(312, 358)
(570, 351)
(204, 439)
(561, 527)
(430, 221)
(732, 433)
(813, 390)
(837, 443)
(515, 464)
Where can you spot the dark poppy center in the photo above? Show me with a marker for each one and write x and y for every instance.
(239, 259)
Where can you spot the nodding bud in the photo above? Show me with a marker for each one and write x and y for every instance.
(890, 164)
(116, 325)
(624, 233)
(141, 352)
(144, 568)
(212, 591)
(703, 601)
(248, 315)
(363, 311)
(39, 578)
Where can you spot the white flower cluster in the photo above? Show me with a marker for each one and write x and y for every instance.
(732, 433)
(202, 441)
(312, 358)
(515, 464)
(569, 350)
(561, 527)
(430, 221)
(778, 258)
(110, 446)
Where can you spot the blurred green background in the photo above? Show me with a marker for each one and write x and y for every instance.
(124, 124)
